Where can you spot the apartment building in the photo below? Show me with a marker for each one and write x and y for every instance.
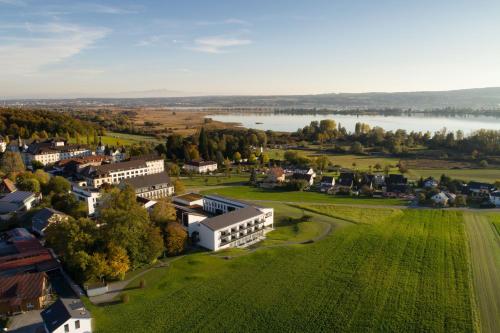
(155, 186)
(200, 166)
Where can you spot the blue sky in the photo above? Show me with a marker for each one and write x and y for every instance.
(110, 48)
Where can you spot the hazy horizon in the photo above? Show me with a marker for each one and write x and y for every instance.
(73, 49)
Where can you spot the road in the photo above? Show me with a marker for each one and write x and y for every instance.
(485, 256)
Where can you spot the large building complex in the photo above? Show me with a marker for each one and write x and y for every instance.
(52, 151)
(217, 223)
(200, 166)
(155, 186)
(114, 173)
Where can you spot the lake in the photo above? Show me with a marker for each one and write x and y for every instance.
(413, 122)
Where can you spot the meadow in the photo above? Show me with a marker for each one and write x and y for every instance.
(399, 271)
(255, 193)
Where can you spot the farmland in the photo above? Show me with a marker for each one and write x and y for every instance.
(400, 270)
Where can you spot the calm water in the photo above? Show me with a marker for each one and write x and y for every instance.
(291, 122)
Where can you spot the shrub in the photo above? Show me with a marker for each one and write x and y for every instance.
(125, 298)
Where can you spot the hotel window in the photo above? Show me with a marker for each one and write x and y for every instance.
(66, 328)
(77, 324)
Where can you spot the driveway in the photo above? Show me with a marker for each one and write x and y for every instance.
(28, 322)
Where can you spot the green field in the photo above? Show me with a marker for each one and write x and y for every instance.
(122, 139)
(480, 175)
(254, 193)
(218, 180)
(485, 253)
(400, 271)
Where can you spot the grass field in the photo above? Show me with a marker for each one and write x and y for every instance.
(405, 271)
(121, 139)
(222, 180)
(254, 193)
(480, 175)
(485, 253)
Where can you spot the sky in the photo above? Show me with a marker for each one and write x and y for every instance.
(55, 49)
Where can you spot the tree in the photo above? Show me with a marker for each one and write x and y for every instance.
(322, 162)
(42, 177)
(203, 144)
(483, 164)
(378, 167)
(264, 158)
(98, 266)
(179, 187)
(118, 261)
(29, 184)
(253, 177)
(176, 238)
(237, 157)
(252, 159)
(403, 167)
(12, 163)
(357, 148)
(58, 184)
(163, 213)
(174, 170)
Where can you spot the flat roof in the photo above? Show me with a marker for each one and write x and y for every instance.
(189, 197)
(230, 218)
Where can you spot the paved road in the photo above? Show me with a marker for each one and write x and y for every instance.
(28, 322)
(485, 256)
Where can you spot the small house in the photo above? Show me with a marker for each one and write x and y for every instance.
(495, 198)
(440, 199)
(327, 182)
(45, 217)
(200, 166)
(430, 183)
(67, 315)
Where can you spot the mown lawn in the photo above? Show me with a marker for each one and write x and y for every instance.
(255, 193)
(406, 271)
(480, 175)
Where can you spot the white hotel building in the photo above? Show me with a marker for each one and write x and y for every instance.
(216, 223)
(114, 173)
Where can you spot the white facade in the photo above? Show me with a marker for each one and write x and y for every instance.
(201, 167)
(495, 198)
(235, 224)
(440, 199)
(3, 146)
(115, 176)
(88, 195)
(80, 325)
(156, 193)
(52, 157)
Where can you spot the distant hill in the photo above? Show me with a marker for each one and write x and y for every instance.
(477, 99)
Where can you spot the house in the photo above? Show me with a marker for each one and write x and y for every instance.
(275, 175)
(495, 198)
(114, 173)
(88, 195)
(23, 292)
(45, 217)
(379, 180)
(21, 252)
(18, 201)
(430, 183)
(72, 166)
(309, 178)
(477, 189)
(327, 182)
(200, 166)
(396, 183)
(440, 199)
(305, 171)
(345, 182)
(155, 186)
(217, 223)
(52, 151)
(67, 315)
(7, 186)
(115, 154)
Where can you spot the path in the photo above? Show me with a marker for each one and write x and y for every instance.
(485, 256)
(115, 288)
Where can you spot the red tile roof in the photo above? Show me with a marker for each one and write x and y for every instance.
(14, 289)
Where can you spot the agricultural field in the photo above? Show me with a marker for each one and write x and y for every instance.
(400, 271)
(484, 240)
(254, 193)
(480, 175)
(115, 139)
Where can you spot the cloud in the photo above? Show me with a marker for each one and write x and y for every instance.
(105, 9)
(217, 44)
(45, 44)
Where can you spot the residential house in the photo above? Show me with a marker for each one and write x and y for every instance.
(23, 292)
(495, 198)
(18, 201)
(216, 222)
(200, 166)
(379, 180)
(440, 199)
(275, 175)
(477, 189)
(67, 315)
(327, 182)
(430, 183)
(345, 182)
(7, 186)
(45, 217)
(3, 145)
(155, 186)
(309, 178)
(397, 183)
